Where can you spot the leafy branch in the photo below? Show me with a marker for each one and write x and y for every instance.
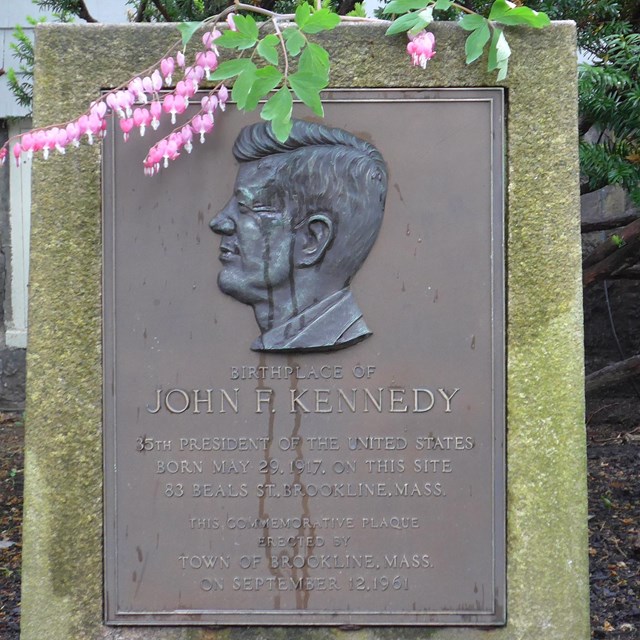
(274, 67)
(414, 16)
(253, 83)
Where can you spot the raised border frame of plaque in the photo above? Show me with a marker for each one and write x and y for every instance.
(433, 292)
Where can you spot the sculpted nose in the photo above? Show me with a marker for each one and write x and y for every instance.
(222, 224)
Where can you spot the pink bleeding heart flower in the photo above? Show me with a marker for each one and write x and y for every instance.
(126, 124)
(209, 38)
(74, 133)
(112, 103)
(161, 151)
(47, 142)
(185, 90)
(223, 96)
(147, 85)
(186, 133)
(180, 59)
(174, 104)
(216, 34)
(99, 108)
(83, 124)
(167, 106)
(156, 81)
(169, 148)
(141, 119)
(152, 161)
(209, 104)
(175, 142)
(167, 67)
(136, 87)
(208, 61)
(123, 101)
(156, 113)
(180, 104)
(3, 155)
(202, 124)
(231, 22)
(191, 75)
(421, 48)
(61, 140)
(17, 151)
(194, 75)
(40, 140)
(94, 126)
(128, 100)
(27, 142)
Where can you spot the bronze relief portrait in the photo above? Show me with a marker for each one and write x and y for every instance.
(303, 216)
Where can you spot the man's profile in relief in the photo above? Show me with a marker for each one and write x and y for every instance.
(303, 217)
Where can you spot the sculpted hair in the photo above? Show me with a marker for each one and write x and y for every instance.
(257, 141)
(325, 170)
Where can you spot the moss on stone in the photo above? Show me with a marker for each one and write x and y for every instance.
(546, 522)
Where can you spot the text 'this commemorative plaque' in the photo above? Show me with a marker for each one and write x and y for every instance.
(304, 370)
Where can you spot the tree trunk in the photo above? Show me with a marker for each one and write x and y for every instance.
(610, 258)
(613, 374)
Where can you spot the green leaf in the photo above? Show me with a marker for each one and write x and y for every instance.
(443, 5)
(492, 63)
(315, 61)
(231, 68)
(499, 8)
(303, 13)
(470, 22)
(323, 20)
(427, 14)
(278, 110)
(307, 88)
(279, 105)
(358, 11)
(235, 40)
(295, 41)
(499, 52)
(267, 48)
(475, 42)
(246, 26)
(425, 18)
(187, 29)
(265, 80)
(281, 128)
(525, 16)
(402, 6)
(242, 86)
(403, 23)
(502, 71)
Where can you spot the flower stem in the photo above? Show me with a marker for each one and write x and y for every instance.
(284, 49)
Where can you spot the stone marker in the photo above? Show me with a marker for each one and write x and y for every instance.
(546, 579)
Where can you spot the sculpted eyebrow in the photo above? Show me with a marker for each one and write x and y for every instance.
(244, 199)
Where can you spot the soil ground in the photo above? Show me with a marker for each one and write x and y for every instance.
(614, 520)
(11, 485)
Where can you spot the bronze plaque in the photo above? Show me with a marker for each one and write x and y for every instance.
(304, 370)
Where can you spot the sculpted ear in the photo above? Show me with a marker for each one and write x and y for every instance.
(315, 237)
